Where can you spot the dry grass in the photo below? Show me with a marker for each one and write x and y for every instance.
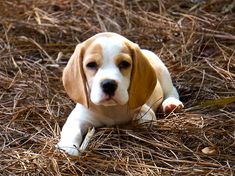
(195, 40)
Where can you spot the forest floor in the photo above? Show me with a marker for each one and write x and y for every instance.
(195, 39)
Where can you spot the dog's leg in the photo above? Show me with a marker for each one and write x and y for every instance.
(74, 130)
(145, 114)
(171, 100)
(171, 97)
(71, 138)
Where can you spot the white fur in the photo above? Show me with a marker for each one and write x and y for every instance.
(116, 110)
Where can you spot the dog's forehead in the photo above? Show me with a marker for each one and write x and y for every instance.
(108, 46)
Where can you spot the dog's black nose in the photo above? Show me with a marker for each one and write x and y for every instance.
(109, 86)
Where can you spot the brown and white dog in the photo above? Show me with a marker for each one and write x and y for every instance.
(113, 82)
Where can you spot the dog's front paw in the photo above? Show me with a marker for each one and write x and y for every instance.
(171, 104)
(145, 114)
(75, 146)
(69, 149)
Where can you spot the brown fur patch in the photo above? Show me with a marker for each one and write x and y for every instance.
(93, 54)
(124, 57)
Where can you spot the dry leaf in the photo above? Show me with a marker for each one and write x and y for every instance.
(209, 150)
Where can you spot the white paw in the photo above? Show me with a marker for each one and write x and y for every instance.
(75, 146)
(69, 149)
(146, 114)
(171, 104)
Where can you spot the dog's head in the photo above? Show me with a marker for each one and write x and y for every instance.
(109, 70)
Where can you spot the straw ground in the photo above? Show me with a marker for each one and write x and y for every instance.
(196, 40)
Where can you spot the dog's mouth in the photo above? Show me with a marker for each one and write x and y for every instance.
(109, 101)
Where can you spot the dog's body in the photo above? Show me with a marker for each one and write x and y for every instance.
(113, 82)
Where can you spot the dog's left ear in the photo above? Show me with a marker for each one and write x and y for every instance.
(74, 78)
(143, 78)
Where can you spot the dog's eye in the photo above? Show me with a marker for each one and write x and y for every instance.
(92, 65)
(123, 65)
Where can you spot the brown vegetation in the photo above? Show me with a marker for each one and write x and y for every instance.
(196, 40)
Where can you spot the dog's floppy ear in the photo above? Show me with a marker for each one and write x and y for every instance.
(143, 78)
(74, 78)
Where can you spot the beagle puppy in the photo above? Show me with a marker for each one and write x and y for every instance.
(113, 82)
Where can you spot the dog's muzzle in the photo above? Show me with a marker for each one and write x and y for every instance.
(109, 86)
